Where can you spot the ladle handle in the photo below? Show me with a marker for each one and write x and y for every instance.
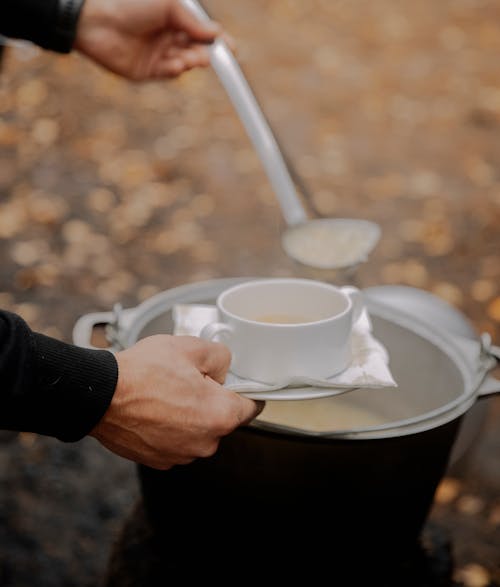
(255, 123)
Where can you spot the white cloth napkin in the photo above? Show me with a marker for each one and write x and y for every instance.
(369, 366)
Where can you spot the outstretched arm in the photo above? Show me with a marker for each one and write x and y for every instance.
(160, 402)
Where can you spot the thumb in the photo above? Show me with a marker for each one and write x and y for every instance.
(184, 20)
(251, 410)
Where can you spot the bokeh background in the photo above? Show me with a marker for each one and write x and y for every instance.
(112, 191)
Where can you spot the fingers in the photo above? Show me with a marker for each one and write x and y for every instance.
(194, 56)
(250, 409)
(213, 360)
(171, 67)
(184, 20)
(230, 42)
(177, 55)
(243, 409)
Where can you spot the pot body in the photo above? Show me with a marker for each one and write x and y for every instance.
(298, 506)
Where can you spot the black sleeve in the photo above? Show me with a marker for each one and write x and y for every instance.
(51, 387)
(51, 24)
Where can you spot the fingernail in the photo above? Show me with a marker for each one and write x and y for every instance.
(215, 27)
(230, 42)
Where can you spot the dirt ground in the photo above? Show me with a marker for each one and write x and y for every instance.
(111, 192)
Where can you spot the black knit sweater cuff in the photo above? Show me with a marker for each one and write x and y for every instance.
(76, 384)
(64, 35)
(50, 24)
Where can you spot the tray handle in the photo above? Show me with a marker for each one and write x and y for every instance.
(85, 325)
(491, 385)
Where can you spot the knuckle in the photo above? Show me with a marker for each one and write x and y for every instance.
(227, 424)
(209, 449)
(225, 353)
(160, 465)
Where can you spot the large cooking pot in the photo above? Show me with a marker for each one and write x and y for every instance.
(320, 484)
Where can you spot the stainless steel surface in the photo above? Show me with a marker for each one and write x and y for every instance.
(428, 307)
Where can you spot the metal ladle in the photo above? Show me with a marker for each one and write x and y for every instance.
(322, 243)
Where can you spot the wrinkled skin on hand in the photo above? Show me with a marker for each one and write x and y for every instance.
(144, 39)
(169, 406)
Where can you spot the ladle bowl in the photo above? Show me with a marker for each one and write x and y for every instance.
(331, 243)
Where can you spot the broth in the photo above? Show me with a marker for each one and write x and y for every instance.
(319, 415)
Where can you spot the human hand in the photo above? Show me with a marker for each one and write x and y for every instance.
(169, 406)
(144, 39)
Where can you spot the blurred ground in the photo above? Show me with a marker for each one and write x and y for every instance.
(111, 192)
